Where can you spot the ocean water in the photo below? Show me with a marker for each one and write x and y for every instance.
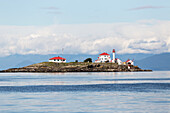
(120, 92)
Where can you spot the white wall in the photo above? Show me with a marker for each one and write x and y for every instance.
(119, 62)
(113, 58)
(57, 61)
(132, 63)
(104, 58)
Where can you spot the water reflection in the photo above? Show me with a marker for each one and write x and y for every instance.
(85, 92)
(24, 79)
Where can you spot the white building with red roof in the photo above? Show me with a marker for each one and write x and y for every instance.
(130, 62)
(104, 57)
(57, 60)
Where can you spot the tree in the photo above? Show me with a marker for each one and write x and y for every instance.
(88, 60)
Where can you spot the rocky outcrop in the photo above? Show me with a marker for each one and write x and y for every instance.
(75, 67)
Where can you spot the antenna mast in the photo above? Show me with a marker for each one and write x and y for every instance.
(62, 51)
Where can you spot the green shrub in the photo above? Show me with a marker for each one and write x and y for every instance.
(88, 60)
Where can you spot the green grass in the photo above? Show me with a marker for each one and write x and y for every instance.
(48, 64)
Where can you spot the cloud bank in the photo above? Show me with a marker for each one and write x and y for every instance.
(147, 36)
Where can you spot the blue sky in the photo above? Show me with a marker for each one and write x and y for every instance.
(84, 26)
(48, 12)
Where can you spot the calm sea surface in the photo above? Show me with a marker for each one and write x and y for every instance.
(85, 92)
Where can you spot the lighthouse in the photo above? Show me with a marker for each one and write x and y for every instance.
(113, 56)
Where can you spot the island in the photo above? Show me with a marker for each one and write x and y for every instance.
(47, 67)
(104, 63)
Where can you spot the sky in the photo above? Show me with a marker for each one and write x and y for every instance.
(84, 26)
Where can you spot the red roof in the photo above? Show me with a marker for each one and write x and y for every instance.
(104, 54)
(128, 60)
(57, 58)
(113, 50)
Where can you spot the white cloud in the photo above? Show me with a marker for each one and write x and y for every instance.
(149, 45)
(146, 36)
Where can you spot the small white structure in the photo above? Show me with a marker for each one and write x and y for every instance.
(57, 60)
(113, 61)
(104, 57)
(118, 61)
(129, 62)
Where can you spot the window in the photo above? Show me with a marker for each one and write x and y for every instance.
(54, 59)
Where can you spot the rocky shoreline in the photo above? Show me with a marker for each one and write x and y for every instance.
(47, 67)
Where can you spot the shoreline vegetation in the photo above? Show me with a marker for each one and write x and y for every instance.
(47, 67)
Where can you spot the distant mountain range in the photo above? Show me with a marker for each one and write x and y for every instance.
(146, 61)
(155, 62)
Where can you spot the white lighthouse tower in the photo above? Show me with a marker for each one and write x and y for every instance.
(113, 56)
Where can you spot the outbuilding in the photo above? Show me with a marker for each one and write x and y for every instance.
(118, 61)
(57, 60)
(129, 62)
